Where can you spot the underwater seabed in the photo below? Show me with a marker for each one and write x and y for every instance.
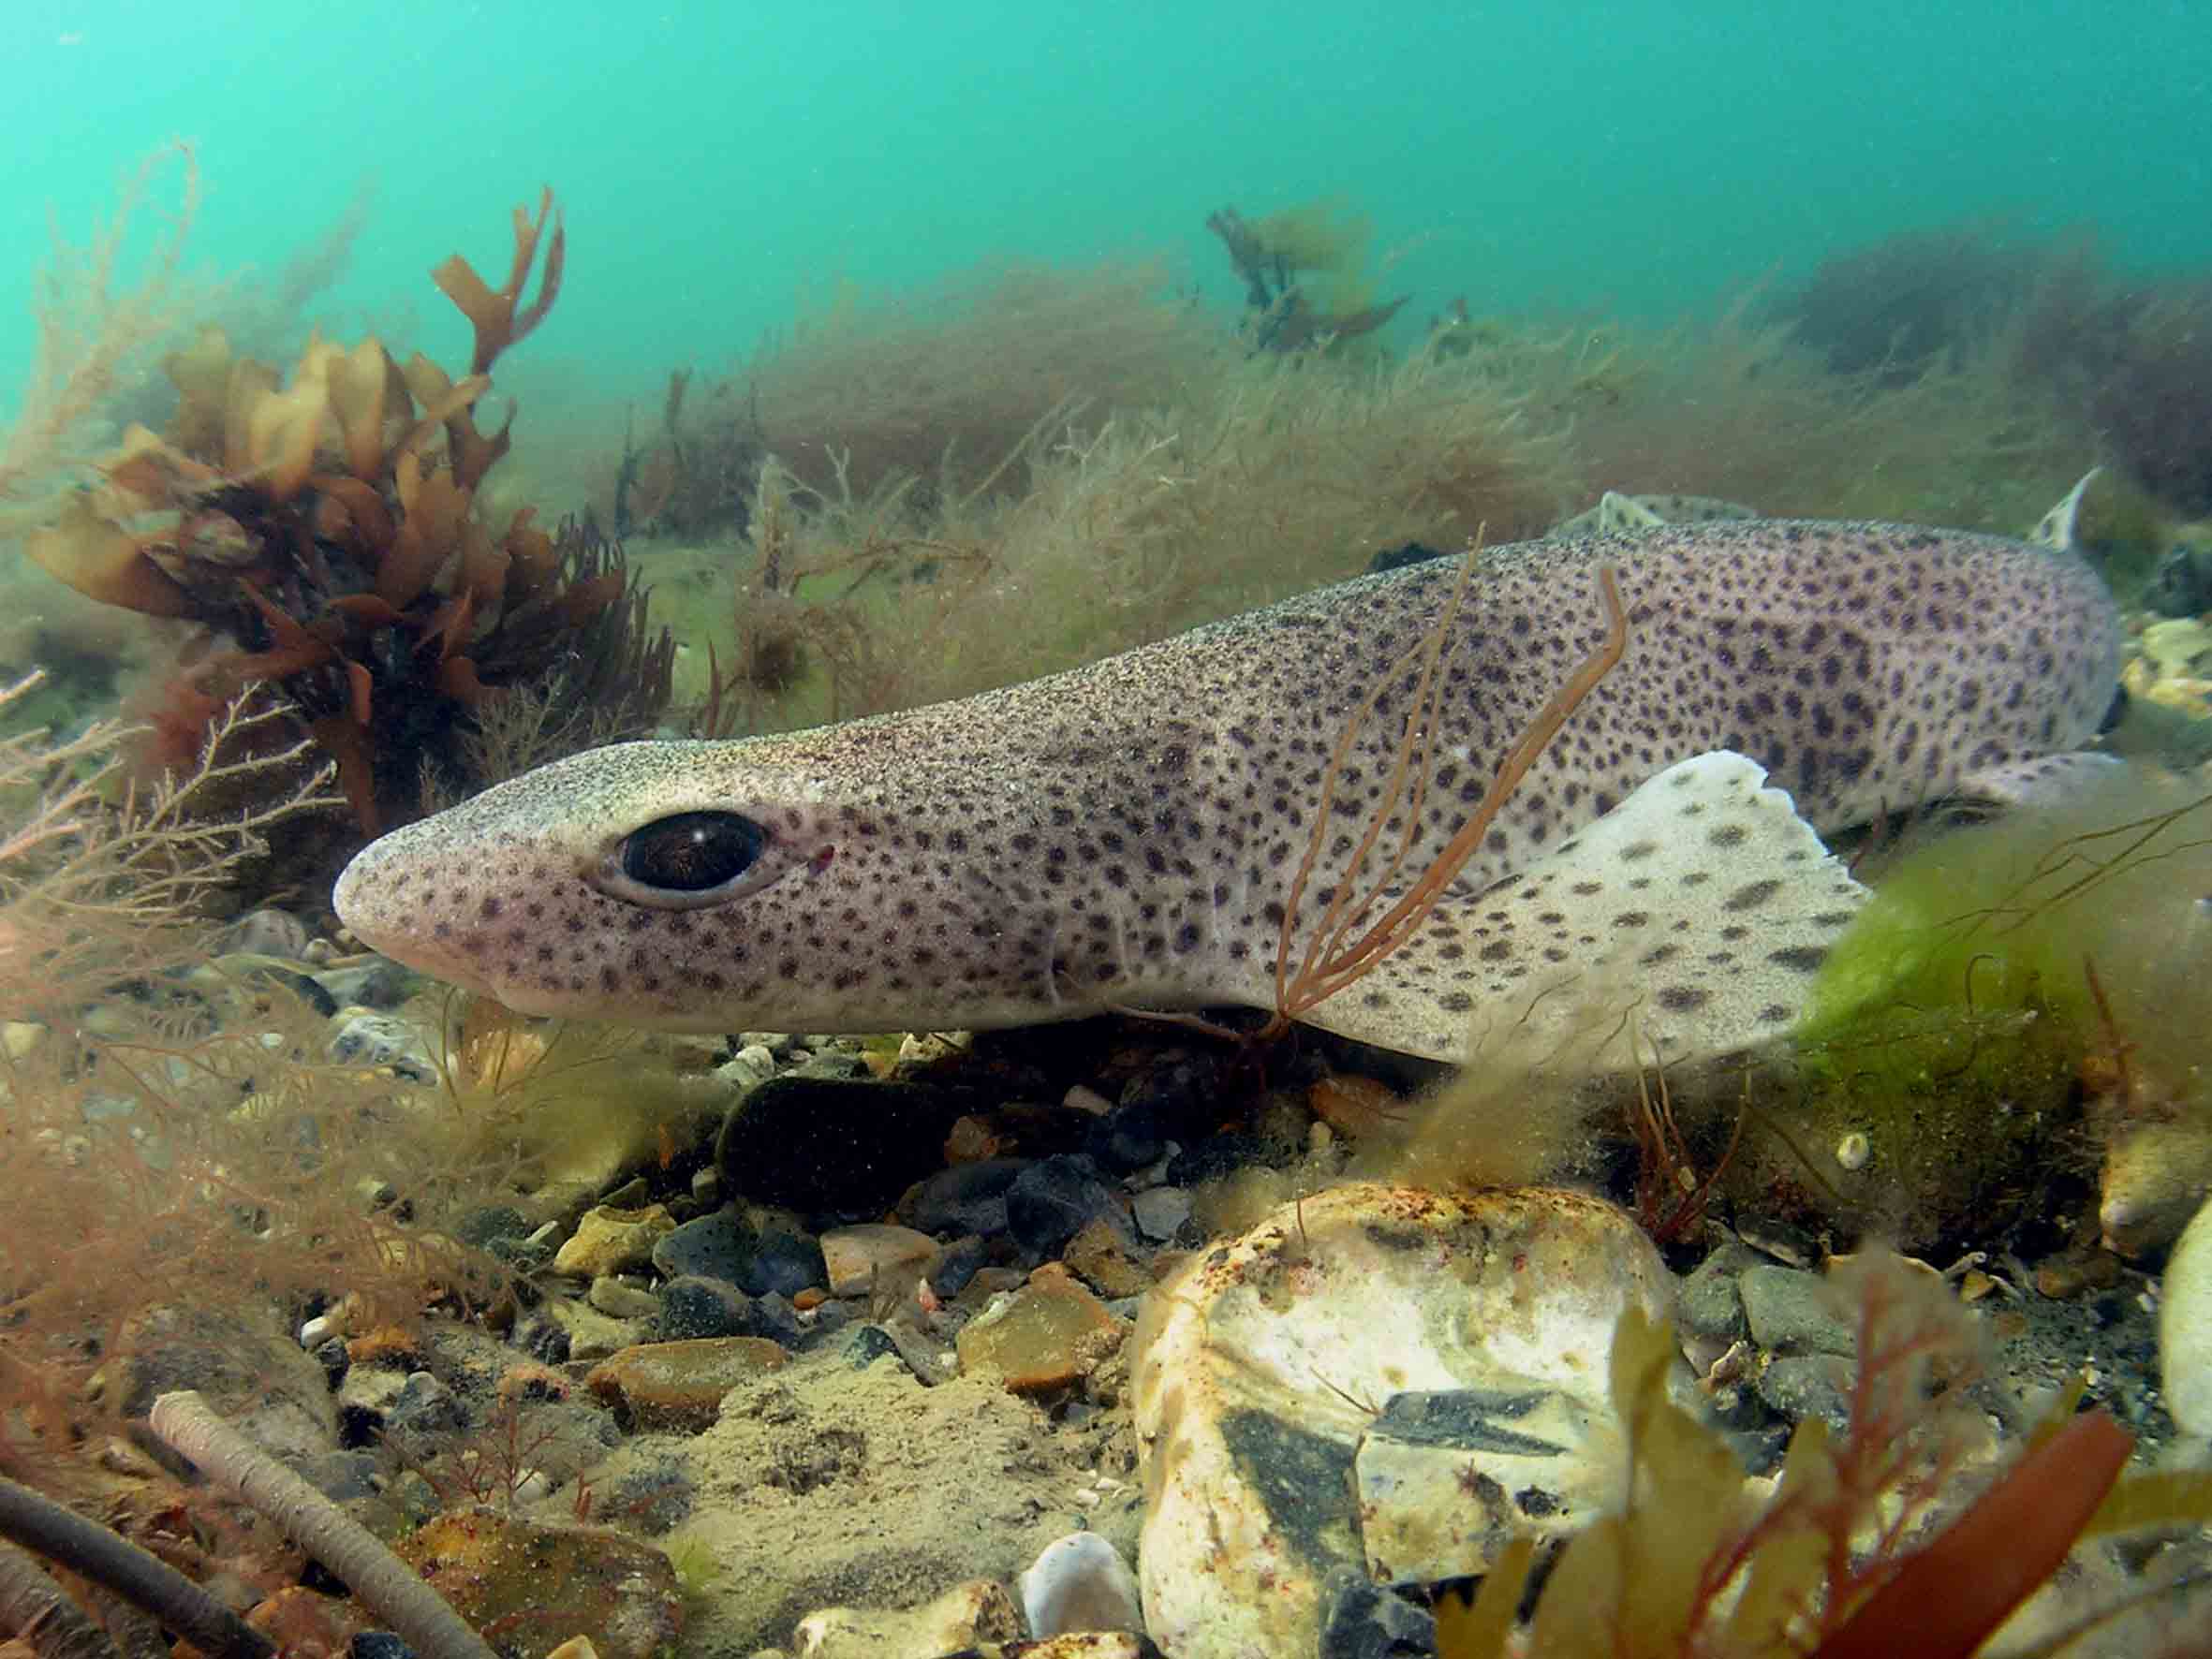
(1110, 1339)
(1235, 1396)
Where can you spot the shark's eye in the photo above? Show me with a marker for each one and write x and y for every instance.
(692, 852)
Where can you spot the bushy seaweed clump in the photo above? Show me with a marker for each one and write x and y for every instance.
(2126, 362)
(937, 387)
(1308, 284)
(321, 530)
(1264, 479)
(1896, 307)
(176, 1139)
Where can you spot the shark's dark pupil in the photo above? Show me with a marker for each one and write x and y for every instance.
(692, 852)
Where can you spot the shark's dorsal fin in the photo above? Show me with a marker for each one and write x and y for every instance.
(2060, 528)
(1701, 906)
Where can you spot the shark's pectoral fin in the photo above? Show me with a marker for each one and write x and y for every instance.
(1694, 914)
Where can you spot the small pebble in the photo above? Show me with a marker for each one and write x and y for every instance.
(607, 1239)
(611, 1296)
(858, 1258)
(1160, 1211)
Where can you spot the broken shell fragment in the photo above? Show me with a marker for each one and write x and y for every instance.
(1383, 1377)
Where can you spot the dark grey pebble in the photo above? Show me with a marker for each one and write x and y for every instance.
(345, 1476)
(1051, 1200)
(715, 1246)
(1218, 1155)
(1362, 1620)
(299, 985)
(866, 1344)
(423, 1405)
(378, 1644)
(783, 1263)
(964, 1198)
(331, 1356)
(1792, 1312)
(774, 1318)
(839, 1148)
(1175, 1099)
(379, 984)
(697, 1306)
(654, 1498)
(956, 1263)
(1810, 1385)
(1710, 1304)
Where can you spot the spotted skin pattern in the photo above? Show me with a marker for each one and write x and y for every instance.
(1126, 834)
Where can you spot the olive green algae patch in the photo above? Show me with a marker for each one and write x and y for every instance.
(2018, 999)
(1977, 931)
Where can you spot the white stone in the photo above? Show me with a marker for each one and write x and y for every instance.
(2185, 1327)
(1270, 1361)
(977, 1611)
(1080, 1582)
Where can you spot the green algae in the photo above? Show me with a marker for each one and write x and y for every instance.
(1958, 1052)
(1978, 937)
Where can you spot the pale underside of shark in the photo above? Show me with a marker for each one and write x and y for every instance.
(1126, 835)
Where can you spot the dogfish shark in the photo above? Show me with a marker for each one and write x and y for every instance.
(1126, 835)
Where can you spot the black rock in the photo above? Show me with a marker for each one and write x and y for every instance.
(1051, 1200)
(956, 1263)
(696, 1306)
(2180, 583)
(1801, 1385)
(1175, 1099)
(423, 1405)
(828, 1319)
(715, 1246)
(378, 1644)
(783, 1263)
(965, 1199)
(331, 1356)
(838, 1147)
(654, 1498)
(378, 984)
(1218, 1155)
(541, 1337)
(1362, 1620)
(299, 984)
(866, 1344)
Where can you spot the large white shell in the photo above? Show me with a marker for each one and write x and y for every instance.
(1273, 1452)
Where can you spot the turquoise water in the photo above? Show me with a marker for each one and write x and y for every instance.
(720, 164)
